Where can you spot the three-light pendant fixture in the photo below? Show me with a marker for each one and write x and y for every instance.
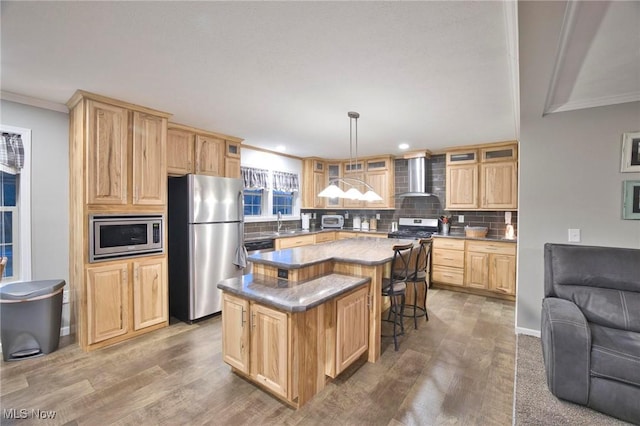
(352, 184)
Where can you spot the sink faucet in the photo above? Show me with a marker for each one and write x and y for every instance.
(279, 221)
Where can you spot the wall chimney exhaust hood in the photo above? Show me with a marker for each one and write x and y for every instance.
(417, 178)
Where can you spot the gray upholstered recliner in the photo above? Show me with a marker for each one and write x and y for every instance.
(591, 327)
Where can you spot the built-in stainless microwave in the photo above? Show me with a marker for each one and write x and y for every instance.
(117, 236)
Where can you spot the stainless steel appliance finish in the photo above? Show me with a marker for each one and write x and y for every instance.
(119, 236)
(258, 246)
(418, 171)
(414, 227)
(205, 222)
(332, 221)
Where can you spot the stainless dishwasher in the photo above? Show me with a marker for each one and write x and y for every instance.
(257, 246)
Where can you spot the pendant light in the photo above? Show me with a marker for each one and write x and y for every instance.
(333, 190)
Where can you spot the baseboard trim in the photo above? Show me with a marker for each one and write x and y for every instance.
(528, 331)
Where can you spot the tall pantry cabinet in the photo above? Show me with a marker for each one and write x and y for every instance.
(117, 165)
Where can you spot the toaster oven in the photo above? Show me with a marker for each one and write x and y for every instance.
(334, 221)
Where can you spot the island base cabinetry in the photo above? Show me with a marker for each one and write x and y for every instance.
(289, 353)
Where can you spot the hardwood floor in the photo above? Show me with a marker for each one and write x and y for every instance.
(458, 368)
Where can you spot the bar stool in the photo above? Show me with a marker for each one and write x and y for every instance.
(395, 287)
(420, 275)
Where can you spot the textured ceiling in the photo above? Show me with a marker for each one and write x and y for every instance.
(430, 74)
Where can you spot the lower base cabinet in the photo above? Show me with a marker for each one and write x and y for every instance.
(254, 342)
(119, 306)
(289, 354)
(488, 266)
(352, 329)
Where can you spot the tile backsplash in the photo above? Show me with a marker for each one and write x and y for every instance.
(429, 207)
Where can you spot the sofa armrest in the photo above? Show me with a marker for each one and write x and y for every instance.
(566, 348)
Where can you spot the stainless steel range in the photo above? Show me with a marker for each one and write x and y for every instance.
(415, 228)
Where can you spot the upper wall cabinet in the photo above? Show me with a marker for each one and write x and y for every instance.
(107, 139)
(120, 149)
(483, 178)
(191, 150)
(313, 172)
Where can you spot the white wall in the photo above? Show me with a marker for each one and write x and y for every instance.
(49, 189)
(569, 164)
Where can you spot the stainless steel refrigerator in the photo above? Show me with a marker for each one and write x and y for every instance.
(205, 230)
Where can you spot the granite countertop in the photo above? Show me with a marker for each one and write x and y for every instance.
(291, 296)
(462, 236)
(361, 250)
(253, 236)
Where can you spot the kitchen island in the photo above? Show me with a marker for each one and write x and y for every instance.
(311, 312)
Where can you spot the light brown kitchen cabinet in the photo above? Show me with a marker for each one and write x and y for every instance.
(352, 327)
(255, 342)
(379, 181)
(191, 150)
(314, 178)
(485, 178)
(107, 141)
(499, 184)
(232, 159)
(448, 261)
(334, 171)
(150, 293)
(485, 265)
(149, 159)
(107, 309)
(269, 348)
(180, 153)
(209, 156)
(294, 241)
(476, 270)
(491, 265)
(108, 162)
(118, 161)
(236, 332)
(502, 273)
(462, 187)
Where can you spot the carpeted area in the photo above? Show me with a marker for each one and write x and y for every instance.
(535, 404)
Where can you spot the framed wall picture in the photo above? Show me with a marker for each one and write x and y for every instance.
(631, 199)
(630, 152)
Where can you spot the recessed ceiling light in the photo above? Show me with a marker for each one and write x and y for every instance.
(281, 148)
(403, 146)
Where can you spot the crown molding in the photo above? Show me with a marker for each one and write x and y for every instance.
(28, 100)
(596, 102)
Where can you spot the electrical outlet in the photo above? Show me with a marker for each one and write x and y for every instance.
(377, 216)
(460, 218)
(346, 215)
(574, 235)
(313, 215)
(65, 297)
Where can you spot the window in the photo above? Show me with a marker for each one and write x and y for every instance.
(15, 206)
(253, 202)
(9, 211)
(272, 189)
(283, 202)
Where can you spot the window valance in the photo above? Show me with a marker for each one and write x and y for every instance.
(287, 182)
(255, 178)
(11, 153)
